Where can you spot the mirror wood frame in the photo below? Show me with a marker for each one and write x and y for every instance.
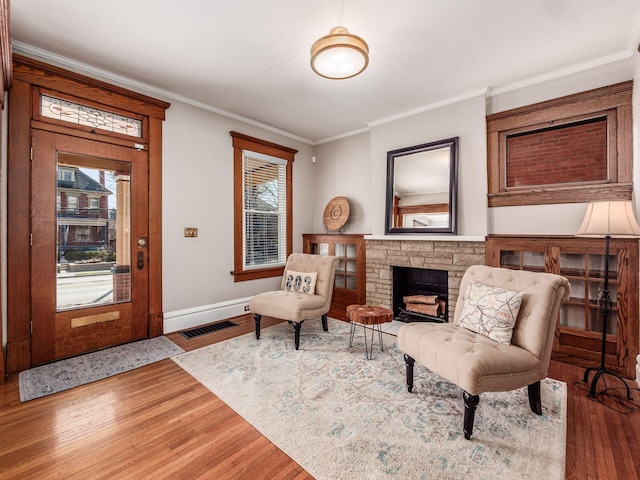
(394, 157)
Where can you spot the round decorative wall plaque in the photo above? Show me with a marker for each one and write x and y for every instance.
(336, 213)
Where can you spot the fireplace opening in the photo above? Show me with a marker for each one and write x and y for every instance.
(420, 294)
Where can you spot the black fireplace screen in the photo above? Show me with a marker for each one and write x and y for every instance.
(420, 294)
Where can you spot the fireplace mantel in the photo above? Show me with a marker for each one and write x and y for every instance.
(430, 238)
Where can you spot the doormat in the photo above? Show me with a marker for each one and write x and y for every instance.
(214, 327)
(72, 372)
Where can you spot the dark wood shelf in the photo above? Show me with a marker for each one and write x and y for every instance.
(582, 345)
(349, 287)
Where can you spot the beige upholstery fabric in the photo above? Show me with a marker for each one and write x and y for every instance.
(297, 307)
(478, 364)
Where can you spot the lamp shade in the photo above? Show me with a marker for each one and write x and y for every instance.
(613, 218)
(339, 55)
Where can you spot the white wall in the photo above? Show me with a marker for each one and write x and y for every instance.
(198, 192)
(464, 119)
(346, 164)
(343, 169)
(356, 167)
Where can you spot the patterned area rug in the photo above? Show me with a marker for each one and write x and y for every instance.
(343, 417)
(55, 377)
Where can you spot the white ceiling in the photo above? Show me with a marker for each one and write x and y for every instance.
(250, 58)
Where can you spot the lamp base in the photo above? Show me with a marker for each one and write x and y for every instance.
(601, 370)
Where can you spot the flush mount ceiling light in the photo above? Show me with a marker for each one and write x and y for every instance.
(339, 55)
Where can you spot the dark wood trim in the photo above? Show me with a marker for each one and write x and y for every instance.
(240, 138)
(254, 274)
(156, 315)
(574, 346)
(6, 80)
(18, 214)
(242, 142)
(81, 86)
(612, 101)
(569, 194)
(427, 208)
(569, 105)
(68, 129)
(30, 76)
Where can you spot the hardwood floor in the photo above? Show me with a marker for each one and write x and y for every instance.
(158, 422)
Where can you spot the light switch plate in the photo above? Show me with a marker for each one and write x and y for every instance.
(190, 232)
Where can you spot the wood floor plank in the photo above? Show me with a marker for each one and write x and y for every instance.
(159, 422)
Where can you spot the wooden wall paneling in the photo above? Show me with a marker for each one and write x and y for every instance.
(583, 348)
(6, 80)
(613, 101)
(156, 316)
(43, 290)
(18, 350)
(625, 144)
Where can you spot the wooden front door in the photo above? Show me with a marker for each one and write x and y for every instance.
(89, 254)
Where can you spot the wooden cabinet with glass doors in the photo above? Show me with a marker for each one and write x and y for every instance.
(578, 338)
(349, 287)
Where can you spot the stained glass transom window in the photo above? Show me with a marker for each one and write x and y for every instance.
(66, 111)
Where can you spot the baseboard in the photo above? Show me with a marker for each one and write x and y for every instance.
(194, 317)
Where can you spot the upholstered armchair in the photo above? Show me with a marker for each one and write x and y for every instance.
(305, 294)
(500, 338)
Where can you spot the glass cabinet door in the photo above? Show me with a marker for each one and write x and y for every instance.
(578, 337)
(347, 266)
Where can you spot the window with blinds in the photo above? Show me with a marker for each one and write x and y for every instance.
(264, 207)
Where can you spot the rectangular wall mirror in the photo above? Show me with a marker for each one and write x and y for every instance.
(422, 188)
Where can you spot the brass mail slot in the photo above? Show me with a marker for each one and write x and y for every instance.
(91, 319)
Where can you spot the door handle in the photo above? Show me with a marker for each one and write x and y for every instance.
(140, 260)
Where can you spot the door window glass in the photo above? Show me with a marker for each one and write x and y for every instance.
(93, 243)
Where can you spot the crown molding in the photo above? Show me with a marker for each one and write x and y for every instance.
(65, 62)
(563, 72)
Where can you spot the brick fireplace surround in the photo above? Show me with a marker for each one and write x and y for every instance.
(450, 255)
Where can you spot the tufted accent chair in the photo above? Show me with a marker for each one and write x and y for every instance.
(298, 307)
(478, 364)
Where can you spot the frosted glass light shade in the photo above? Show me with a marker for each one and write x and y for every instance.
(613, 218)
(339, 55)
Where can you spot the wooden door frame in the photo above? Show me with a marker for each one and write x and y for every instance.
(6, 80)
(29, 75)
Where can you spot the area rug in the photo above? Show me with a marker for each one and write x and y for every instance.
(343, 417)
(69, 373)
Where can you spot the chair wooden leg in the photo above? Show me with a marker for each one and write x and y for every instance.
(409, 362)
(325, 324)
(470, 404)
(257, 318)
(535, 402)
(296, 327)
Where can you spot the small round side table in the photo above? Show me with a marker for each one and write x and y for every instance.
(368, 315)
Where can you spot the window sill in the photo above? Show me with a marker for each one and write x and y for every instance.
(254, 274)
(564, 194)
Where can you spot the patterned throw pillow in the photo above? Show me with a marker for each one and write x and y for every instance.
(490, 311)
(301, 282)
